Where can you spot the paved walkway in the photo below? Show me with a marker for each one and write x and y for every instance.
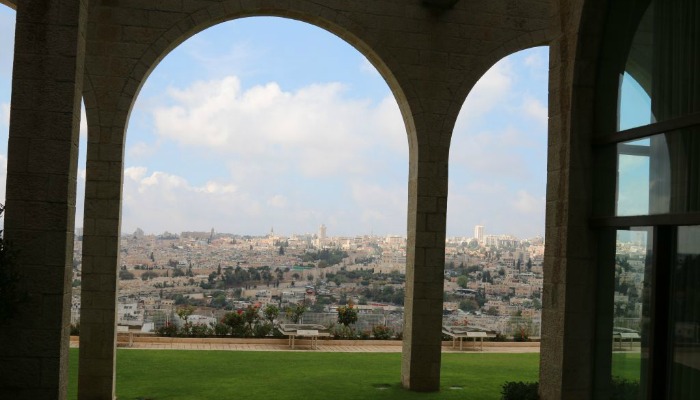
(323, 346)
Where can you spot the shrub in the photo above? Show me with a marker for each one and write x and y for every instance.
(347, 315)
(343, 332)
(220, 329)
(169, 330)
(262, 329)
(521, 335)
(75, 329)
(622, 389)
(200, 330)
(499, 337)
(251, 318)
(364, 335)
(126, 275)
(520, 391)
(236, 323)
(382, 332)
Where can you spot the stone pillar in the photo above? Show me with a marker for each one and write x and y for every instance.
(425, 264)
(569, 299)
(41, 184)
(103, 188)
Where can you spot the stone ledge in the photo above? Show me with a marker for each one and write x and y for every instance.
(121, 339)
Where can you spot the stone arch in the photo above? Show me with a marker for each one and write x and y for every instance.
(533, 39)
(301, 10)
(112, 84)
(10, 3)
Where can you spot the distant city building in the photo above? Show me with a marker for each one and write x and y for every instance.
(321, 234)
(479, 233)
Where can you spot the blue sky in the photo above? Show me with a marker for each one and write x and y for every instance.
(267, 122)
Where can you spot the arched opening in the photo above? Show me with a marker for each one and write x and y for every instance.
(7, 35)
(496, 208)
(264, 141)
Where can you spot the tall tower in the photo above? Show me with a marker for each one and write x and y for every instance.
(479, 233)
(321, 233)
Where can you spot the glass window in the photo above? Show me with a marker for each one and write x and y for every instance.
(659, 175)
(685, 316)
(632, 310)
(635, 104)
(661, 79)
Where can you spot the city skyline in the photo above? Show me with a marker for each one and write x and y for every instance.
(266, 132)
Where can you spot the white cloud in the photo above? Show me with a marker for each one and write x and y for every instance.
(490, 92)
(380, 204)
(313, 130)
(498, 152)
(498, 207)
(157, 201)
(525, 202)
(367, 68)
(535, 61)
(141, 150)
(5, 114)
(83, 123)
(490, 153)
(135, 173)
(277, 201)
(536, 110)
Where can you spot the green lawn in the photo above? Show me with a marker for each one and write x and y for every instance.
(201, 375)
(626, 365)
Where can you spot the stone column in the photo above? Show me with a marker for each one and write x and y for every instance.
(569, 301)
(425, 263)
(41, 184)
(103, 189)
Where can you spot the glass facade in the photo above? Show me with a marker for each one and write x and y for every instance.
(660, 79)
(684, 343)
(632, 305)
(660, 174)
(648, 189)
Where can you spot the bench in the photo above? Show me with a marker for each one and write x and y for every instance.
(463, 332)
(624, 335)
(312, 331)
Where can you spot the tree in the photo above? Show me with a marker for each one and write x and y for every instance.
(468, 305)
(149, 275)
(281, 250)
(271, 312)
(462, 281)
(185, 312)
(295, 312)
(126, 275)
(347, 315)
